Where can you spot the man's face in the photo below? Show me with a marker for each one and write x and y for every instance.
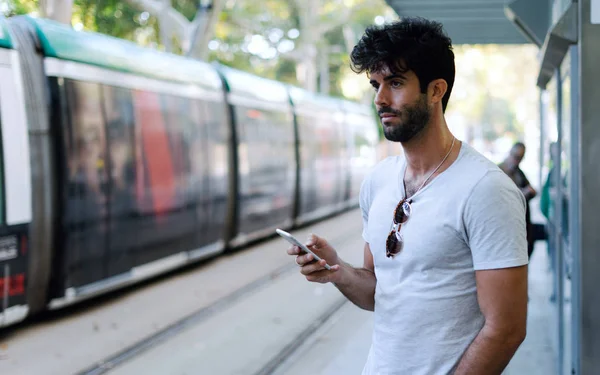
(516, 156)
(403, 109)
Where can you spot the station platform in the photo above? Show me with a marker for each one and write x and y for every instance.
(341, 346)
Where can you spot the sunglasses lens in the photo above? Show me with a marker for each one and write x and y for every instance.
(407, 210)
(399, 216)
(402, 212)
(394, 244)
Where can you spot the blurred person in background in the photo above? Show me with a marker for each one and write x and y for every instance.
(510, 166)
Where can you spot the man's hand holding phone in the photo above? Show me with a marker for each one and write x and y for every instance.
(314, 270)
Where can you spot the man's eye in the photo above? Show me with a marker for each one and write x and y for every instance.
(396, 84)
(375, 88)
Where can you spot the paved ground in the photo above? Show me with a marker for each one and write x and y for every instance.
(342, 346)
(228, 339)
(537, 354)
(258, 333)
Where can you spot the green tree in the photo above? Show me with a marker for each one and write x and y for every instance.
(19, 7)
(313, 37)
(494, 99)
(116, 18)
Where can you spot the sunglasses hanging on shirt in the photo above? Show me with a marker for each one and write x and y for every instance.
(395, 242)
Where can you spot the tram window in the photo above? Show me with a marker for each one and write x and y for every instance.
(175, 111)
(120, 132)
(155, 177)
(86, 183)
(218, 131)
(194, 130)
(163, 165)
(85, 141)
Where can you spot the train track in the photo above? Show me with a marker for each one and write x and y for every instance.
(272, 366)
(212, 310)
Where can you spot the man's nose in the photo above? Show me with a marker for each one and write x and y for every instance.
(382, 98)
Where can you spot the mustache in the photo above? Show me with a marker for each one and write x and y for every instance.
(391, 110)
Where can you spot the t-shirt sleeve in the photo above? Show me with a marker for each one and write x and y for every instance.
(365, 205)
(494, 218)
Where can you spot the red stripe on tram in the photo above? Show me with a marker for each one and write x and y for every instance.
(156, 150)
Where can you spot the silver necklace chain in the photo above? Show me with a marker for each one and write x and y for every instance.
(431, 174)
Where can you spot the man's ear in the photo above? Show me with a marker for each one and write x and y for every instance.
(436, 90)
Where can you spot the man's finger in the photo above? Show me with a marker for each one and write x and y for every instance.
(313, 267)
(304, 259)
(316, 241)
(295, 250)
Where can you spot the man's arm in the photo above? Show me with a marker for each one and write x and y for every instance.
(358, 284)
(502, 296)
(528, 191)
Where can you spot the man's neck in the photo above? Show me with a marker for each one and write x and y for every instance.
(427, 150)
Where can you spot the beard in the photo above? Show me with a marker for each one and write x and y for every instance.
(413, 119)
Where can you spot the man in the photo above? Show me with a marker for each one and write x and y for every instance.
(510, 166)
(445, 254)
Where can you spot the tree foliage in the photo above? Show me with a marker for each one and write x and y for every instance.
(116, 18)
(495, 94)
(18, 7)
(280, 38)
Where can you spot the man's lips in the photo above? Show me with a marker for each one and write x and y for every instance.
(387, 115)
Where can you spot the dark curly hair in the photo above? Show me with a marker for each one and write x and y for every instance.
(413, 43)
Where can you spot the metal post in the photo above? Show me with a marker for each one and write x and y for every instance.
(558, 220)
(589, 186)
(574, 222)
(542, 135)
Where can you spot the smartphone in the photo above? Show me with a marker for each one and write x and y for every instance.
(291, 239)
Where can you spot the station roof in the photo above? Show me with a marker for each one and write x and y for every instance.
(465, 21)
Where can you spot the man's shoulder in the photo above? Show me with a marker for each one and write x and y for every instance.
(477, 162)
(488, 182)
(480, 175)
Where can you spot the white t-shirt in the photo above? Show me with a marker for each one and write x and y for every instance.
(470, 217)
